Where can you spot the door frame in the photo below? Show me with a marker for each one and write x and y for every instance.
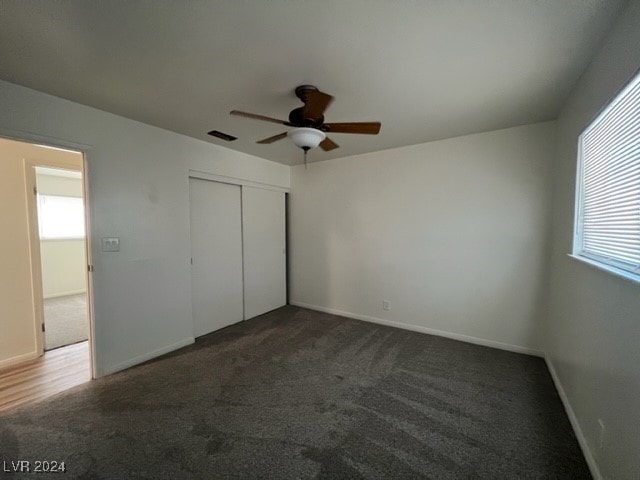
(29, 165)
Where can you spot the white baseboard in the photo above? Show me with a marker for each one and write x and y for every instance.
(420, 329)
(65, 294)
(10, 362)
(143, 358)
(591, 462)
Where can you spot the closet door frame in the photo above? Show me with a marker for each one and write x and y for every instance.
(247, 183)
(236, 181)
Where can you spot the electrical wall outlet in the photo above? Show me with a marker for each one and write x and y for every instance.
(386, 305)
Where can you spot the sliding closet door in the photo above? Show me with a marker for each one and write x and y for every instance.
(263, 226)
(216, 249)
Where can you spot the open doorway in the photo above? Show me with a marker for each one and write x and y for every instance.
(46, 343)
(61, 226)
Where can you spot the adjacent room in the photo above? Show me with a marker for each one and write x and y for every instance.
(62, 256)
(321, 239)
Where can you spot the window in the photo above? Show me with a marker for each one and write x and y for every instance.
(60, 217)
(607, 229)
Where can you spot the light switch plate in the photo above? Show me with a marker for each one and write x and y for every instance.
(111, 244)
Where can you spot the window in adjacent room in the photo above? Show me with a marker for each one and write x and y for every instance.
(60, 217)
(607, 230)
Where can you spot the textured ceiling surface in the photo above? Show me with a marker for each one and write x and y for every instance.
(427, 69)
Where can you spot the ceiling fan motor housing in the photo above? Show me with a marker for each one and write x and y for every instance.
(297, 118)
(302, 92)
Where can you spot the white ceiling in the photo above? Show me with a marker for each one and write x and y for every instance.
(427, 69)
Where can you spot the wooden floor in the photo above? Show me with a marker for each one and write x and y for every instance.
(55, 371)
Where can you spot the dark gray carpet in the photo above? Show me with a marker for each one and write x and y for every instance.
(66, 321)
(301, 394)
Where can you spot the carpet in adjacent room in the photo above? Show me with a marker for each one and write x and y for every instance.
(66, 320)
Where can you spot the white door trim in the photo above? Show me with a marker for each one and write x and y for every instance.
(34, 244)
(235, 181)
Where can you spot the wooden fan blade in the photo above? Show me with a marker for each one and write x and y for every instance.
(317, 102)
(275, 138)
(255, 116)
(368, 128)
(327, 145)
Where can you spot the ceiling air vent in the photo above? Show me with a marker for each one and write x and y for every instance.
(223, 136)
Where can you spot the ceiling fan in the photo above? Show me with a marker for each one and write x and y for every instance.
(310, 129)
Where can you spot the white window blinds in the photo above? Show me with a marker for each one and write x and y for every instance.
(608, 207)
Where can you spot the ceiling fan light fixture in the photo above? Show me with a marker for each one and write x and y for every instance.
(306, 138)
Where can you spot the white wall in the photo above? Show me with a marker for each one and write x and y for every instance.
(138, 191)
(453, 233)
(593, 333)
(64, 268)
